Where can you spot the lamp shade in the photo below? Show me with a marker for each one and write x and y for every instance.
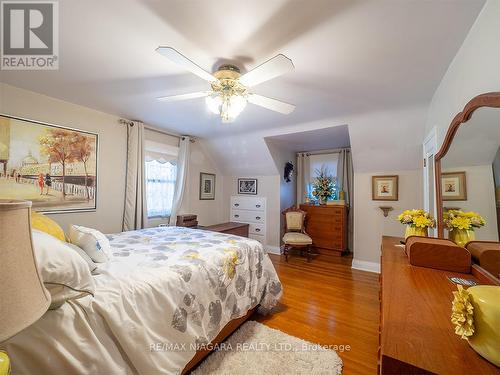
(23, 297)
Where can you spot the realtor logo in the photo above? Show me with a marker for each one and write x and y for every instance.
(29, 35)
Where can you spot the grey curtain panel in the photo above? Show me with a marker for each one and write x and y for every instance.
(345, 176)
(135, 212)
(303, 176)
(182, 172)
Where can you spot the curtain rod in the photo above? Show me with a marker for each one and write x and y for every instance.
(324, 152)
(151, 128)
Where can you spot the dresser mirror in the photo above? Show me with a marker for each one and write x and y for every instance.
(468, 171)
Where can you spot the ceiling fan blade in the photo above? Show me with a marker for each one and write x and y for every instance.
(278, 65)
(272, 104)
(175, 98)
(181, 60)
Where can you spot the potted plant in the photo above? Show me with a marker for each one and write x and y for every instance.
(417, 222)
(461, 225)
(323, 187)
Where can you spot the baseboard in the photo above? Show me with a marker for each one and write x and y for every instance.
(363, 265)
(273, 249)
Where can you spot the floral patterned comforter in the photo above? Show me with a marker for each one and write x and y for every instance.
(165, 293)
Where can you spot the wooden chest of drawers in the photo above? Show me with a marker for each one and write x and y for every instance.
(238, 229)
(327, 226)
(416, 335)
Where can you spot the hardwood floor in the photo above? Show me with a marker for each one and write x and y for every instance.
(328, 303)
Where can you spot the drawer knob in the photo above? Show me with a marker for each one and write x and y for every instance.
(257, 229)
(236, 205)
(257, 205)
(257, 217)
(236, 215)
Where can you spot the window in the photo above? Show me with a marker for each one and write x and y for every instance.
(318, 161)
(160, 186)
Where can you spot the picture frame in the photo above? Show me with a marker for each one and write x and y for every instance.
(207, 186)
(385, 188)
(247, 186)
(454, 186)
(53, 166)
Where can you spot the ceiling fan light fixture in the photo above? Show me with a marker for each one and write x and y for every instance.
(214, 103)
(230, 95)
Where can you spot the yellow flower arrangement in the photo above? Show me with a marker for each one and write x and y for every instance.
(417, 218)
(462, 313)
(455, 219)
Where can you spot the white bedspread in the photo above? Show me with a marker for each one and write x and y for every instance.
(165, 293)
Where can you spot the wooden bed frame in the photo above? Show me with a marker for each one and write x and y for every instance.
(228, 329)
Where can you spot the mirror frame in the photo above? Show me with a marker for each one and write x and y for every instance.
(489, 100)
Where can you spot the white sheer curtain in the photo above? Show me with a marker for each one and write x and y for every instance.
(160, 186)
(134, 215)
(182, 172)
(345, 176)
(303, 176)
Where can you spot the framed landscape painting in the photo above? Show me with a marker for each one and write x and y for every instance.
(385, 188)
(454, 186)
(53, 166)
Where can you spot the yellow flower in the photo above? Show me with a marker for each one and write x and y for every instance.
(461, 222)
(421, 222)
(462, 313)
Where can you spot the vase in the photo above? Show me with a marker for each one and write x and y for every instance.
(461, 236)
(322, 200)
(415, 231)
(486, 337)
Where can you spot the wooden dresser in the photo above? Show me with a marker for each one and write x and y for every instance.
(416, 335)
(327, 226)
(238, 229)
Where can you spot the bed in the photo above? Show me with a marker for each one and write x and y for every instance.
(164, 296)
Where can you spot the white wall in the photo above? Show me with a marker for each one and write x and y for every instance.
(474, 70)
(209, 211)
(480, 198)
(369, 221)
(111, 157)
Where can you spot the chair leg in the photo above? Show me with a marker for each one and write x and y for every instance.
(309, 255)
(285, 251)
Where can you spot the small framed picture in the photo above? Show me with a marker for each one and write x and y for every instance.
(385, 188)
(207, 186)
(454, 186)
(247, 186)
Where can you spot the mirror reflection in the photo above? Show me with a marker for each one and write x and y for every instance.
(470, 181)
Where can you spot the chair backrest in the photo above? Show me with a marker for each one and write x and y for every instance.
(294, 219)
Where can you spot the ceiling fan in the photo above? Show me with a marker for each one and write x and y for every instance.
(230, 90)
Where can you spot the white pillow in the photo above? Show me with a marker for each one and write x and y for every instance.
(84, 255)
(64, 272)
(93, 242)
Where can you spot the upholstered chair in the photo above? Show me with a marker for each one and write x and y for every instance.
(295, 234)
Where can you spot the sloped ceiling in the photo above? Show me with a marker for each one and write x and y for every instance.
(352, 58)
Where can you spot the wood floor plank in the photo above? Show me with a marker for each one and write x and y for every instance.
(328, 303)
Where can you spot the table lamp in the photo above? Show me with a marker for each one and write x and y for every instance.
(23, 297)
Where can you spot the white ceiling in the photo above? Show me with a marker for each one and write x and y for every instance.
(351, 57)
(313, 140)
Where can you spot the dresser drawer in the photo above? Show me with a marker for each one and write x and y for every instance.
(258, 237)
(246, 203)
(242, 216)
(257, 229)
